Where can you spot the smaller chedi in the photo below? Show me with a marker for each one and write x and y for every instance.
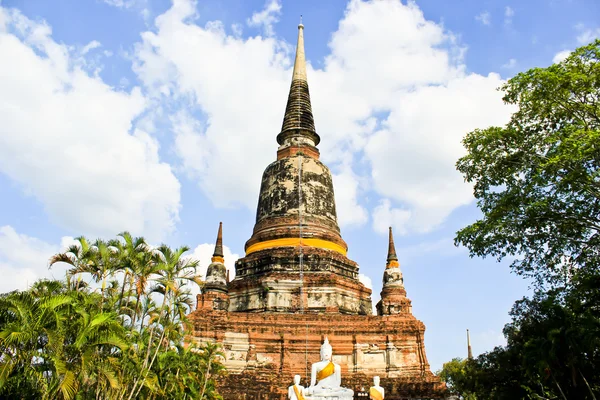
(393, 295)
(326, 378)
(216, 274)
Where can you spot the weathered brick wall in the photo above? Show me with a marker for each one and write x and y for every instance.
(265, 350)
(265, 384)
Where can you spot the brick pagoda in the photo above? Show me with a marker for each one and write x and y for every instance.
(295, 285)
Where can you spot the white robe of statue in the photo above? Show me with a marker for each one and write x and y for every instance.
(292, 392)
(375, 396)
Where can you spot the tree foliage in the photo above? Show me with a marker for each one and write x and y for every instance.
(537, 183)
(456, 374)
(536, 180)
(119, 336)
(552, 351)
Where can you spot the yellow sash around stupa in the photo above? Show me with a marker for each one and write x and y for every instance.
(325, 372)
(375, 394)
(299, 395)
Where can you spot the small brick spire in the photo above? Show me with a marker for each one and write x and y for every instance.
(392, 258)
(218, 254)
(393, 295)
(298, 121)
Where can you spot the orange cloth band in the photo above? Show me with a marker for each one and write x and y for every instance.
(293, 242)
(298, 393)
(375, 394)
(325, 372)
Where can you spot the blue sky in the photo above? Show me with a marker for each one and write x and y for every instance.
(159, 117)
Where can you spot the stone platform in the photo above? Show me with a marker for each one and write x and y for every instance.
(264, 351)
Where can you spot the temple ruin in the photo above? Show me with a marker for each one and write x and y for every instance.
(295, 285)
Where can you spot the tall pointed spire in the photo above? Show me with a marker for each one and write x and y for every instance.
(469, 351)
(300, 61)
(218, 254)
(298, 121)
(392, 258)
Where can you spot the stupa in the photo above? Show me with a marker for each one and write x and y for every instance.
(295, 285)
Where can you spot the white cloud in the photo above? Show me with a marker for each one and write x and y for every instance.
(141, 6)
(484, 17)
(385, 216)
(365, 280)
(508, 15)
(510, 64)
(561, 56)
(120, 3)
(24, 259)
(375, 297)
(587, 35)
(242, 90)
(237, 30)
(67, 138)
(267, 17)
(443, 247)
(349, 212)
(94, 44)
(402, 117)
(414, 154)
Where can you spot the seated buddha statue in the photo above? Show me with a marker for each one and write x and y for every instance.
(326, 378)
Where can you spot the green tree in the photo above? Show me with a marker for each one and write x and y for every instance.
(552, 352)
(537, 183)
(457, 376)
(557, 336)
(537, 180)
(57, 342)
(174, 272)
(210, 355)
(114, 329)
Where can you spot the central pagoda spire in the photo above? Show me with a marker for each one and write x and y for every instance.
(300, 61)
(296, 258)
(298, 123)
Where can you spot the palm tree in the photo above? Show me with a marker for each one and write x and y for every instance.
(98, 340)
(145, 268)
(210, 356)
(97, 259)
(65, 339)
(133, 256)
(172, 271)
(79, 256)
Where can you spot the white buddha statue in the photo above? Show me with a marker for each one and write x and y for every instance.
(326, 378)
(296, 392)
(376, 392)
